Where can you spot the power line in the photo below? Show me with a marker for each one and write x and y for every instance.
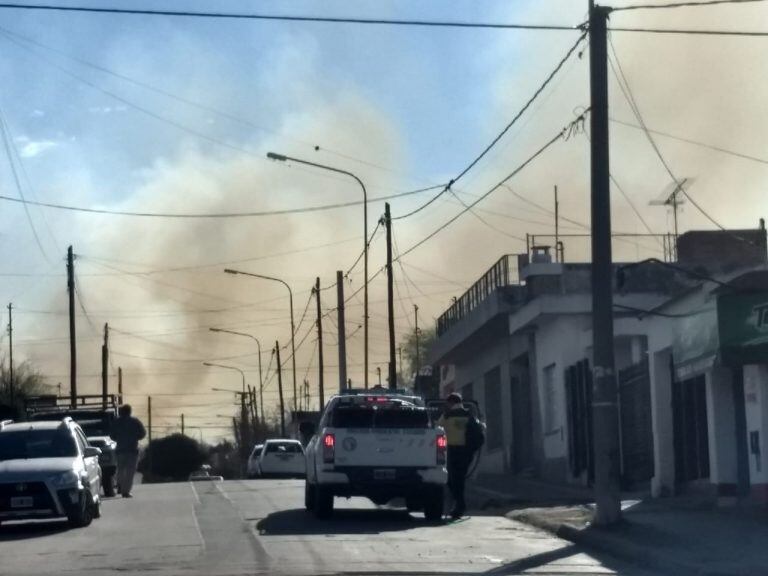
(256, 214)
(636, 110)
(501, 134)
(692, 32)
(564, 133)
(681, 5)
(693, 142)
(290, 18)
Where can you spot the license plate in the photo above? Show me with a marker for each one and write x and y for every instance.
(384, 474)
(22, 502)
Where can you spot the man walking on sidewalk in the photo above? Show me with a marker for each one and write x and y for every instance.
(465, 436)
(126, 431)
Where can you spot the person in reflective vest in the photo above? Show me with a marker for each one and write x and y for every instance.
(463, 432)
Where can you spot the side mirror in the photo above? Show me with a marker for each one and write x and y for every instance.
(91, 452)
(307, 428)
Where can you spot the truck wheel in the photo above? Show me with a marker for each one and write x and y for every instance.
(323, 503)
(82, 516)
(109, 484)
(309, 497)
(433, 505)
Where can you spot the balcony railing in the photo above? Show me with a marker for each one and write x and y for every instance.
(502, 273)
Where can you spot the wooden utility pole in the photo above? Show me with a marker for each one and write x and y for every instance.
(416, 332)
(390, 301)
(280, 389)
(182, 423)
(120, 385)
(72, 335)
(321, 366)
(11, 383)
(604, 392)
(342, 331)
(105, 367)
(557, 227)
(149, 418)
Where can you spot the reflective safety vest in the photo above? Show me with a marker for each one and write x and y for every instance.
(455, 424)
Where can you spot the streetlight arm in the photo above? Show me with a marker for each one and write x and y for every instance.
(283, 158)
(262, 276)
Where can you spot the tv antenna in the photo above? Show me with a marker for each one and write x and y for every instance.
(671, 196)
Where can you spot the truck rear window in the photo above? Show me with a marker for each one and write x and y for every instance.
(379, 417)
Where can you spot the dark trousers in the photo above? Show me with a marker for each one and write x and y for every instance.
(459, 459)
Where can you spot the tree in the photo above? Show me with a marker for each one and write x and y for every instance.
(426, 340)
(27, 381)
(172, 457)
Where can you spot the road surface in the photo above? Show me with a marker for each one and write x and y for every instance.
(259, 527)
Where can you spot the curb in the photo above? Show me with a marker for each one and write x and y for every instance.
(623, 550)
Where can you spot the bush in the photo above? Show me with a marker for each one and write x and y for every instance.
(172, 458)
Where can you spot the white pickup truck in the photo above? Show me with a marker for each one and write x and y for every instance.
(379, 445)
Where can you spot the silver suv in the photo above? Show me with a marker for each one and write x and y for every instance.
(48, 470)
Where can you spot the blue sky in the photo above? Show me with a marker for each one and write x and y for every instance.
(401, 107)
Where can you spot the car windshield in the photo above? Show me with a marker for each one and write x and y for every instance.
(284, 448)
(28, 444)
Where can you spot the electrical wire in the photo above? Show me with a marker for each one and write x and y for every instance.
(290, 18)
(256, 214)
(692, 32)
(693, 142)
(501, 134)
(705, 3)
(575, 125)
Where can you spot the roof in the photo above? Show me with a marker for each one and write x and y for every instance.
(286, 440)
(38, 425)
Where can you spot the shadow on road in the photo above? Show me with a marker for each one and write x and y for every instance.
(34, 529)
(350, 521)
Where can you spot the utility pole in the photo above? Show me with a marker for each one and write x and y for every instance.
(72, 336)
(182, 423)
(378, 373)
(11, 383)
(390, 303)
(416, 331)
(149, 418)
(342, 331)
(604, 392)
(105, 367)
(280, 389)
(557, 228)
(120, 385)
(321, 365)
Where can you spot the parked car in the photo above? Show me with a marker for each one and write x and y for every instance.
(379, 445)
(252, 468)
(95, 415)
(203, 474)
(48, 470)
(282, 458)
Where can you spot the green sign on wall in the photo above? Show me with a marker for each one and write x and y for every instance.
(743, 327)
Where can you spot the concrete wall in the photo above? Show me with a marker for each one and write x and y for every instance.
(721, 422)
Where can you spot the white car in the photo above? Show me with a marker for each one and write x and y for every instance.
(48, 470)
(377, 444)
(283, 458)
(252, 468)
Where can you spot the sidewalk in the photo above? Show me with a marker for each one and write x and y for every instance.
(685, 536)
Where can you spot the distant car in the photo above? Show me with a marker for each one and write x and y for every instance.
(204, 475)
(252, 468)
(282, 458)
(48, 470)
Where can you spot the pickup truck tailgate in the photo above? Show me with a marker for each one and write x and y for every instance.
(392, 447)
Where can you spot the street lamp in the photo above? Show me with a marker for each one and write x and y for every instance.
(261, 379)
(293, 326)
(283, 158)
(244, 441)
(213, 364)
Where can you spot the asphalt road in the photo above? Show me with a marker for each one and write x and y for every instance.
(260, 527)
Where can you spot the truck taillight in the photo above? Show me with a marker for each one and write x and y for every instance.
(329, 447)
(442, 448)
